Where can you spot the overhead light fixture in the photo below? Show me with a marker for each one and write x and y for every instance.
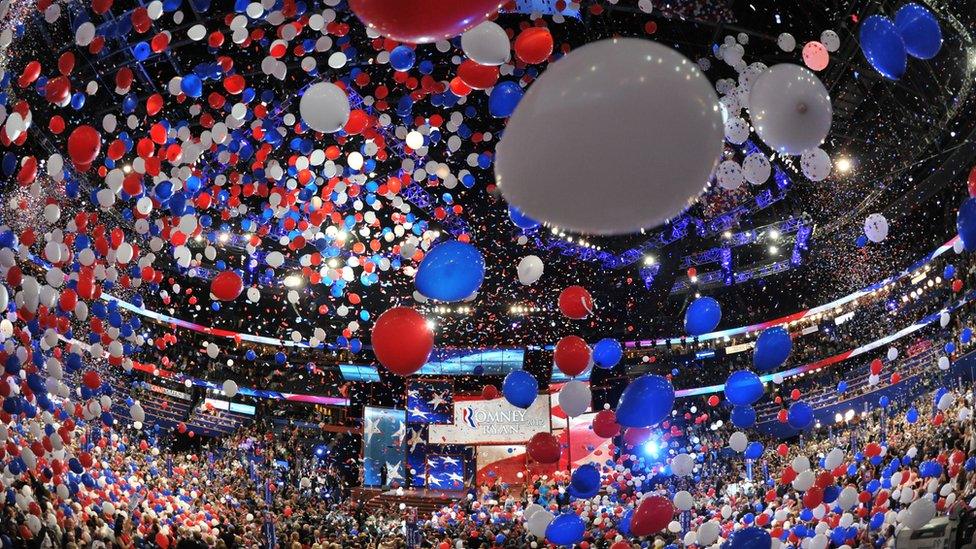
(649, 260)
(773, 250)
(774, 234)
(844, 165)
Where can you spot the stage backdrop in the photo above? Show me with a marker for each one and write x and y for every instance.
(384, 432)
(492, 422)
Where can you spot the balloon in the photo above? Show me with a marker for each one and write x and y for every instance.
(815, 56)
(738, 441)
(521, 220)
(422, 21)
(324, 107)
(226, 286)
(708, 533)
(773, 347)
(756, 168)
(742, 388)
(581, 108)
(607, 352)
(402, 58)
(966, 224)
(566, 529)
(754, 450)
(402, 341)
(830, 40)
(543, 448)
(919, 513)
(786, 42)
(729, 175)
(790, 109)
(520, 388)
(486, 44)
(534, 45)
(652, 515)
(575, 302)
(574, 398)
(84, 144)
(750, 538)
(503, 99)
(646, 401)
(800, 415)
(702, 316)
(585, 481)
(883, 46)
(920, 30)
(815, 164)
(538, 522)
(605, 424)
(572, 355)
(876, 227)
(683, 500)
(743, 417)
(451, 271)
(530, 269)
(230, 388)
(682, 465)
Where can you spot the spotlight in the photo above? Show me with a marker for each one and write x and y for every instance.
(727, 234)
(224, 237)
(652, 449)
(773, 250)
(774, 234)
(844, 165)
(294, 280)
(649, 260)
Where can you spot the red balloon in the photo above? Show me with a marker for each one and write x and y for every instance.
(84, 143)
(423, 21)
(226, 286)
(876, 366)
(575, 302)
(813, 497)
(957, 285)
(972, 181)
(534, 45)
(636, 435)
(543, 448)
(402, 341)
(605, 424)
(652, 515)
(572, 355)
(489, 392)
(713, 400)
(476, 75)
(872, 449)
(91, 380)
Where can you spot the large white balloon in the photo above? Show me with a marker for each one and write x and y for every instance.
(230, 388)
(920, 512)
(738, 441)
(708, 533)
(538, 522)
(324, 107)
(729, 175)
(682, 465)
(574, 398)
(786, 42)
(579, 154)
(487, 44)
(683, 500)
(530, 269)
(790, 109)
(876, 227)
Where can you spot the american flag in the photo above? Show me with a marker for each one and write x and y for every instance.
(430, 401)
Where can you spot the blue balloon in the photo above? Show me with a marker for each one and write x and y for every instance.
(520, 388)
(912, 415)
(966, 336)
(883, 46)
(702, 316)
(930, 469)
(800, 415)
(950, 348)
(920, 30)
(521, 220)
(585, 482)
(754, 450)
(191, 85)
(971, 464)
(948, 272)
(451, 271)
(877, 520)
(646, 401)
(842, 386)
(566, 529)
(743, 387)
(607, 352)
(503, 99)
(884, 401)
(743, 417)
(861, 241)
(749, 538)
(773, 347)
(402, 58)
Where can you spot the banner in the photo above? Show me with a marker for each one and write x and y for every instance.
(492, 422)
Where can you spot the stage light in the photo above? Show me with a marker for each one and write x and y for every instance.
(652, 448)
(727, 234)
(774, 234)
(649, 260)
(431, 324)
(224, 237)
(773, 250)
(294, 281)
(844, 165)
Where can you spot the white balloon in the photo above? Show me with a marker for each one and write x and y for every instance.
(919, 513)
(804, 481)
(876, 227)
(892, 353)
(944, 319)
(578, 155)
(531, 509)
(834, 458)
(708, 532)
(324, 107)
(137, 413)
(800, 464)
(729, 175)
(847, 498)
(230, 388)
(830, 40)
(487, 44)
(786, 42)
(736, 130)
(756, 168)
(530, 269)
(790, 109)
(738, 441)
(574, 398)
(538, 522)
(683, 500)
(682, 465)
(815, 164)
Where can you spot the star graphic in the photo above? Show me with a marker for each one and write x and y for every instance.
(371, 428)
(414, 439)
(448, 460)
(454, 477)
(393, 471)
(400, 433)
(417, 412)
(437, 400)
(431, 479)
